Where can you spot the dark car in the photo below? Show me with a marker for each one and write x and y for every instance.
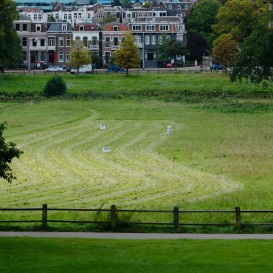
(217, 67)
(115, 68)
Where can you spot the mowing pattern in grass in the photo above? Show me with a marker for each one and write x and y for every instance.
(65, 166)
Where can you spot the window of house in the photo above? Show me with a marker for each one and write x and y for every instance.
(115, 28)
(61, 56)
(115, 40)
(39, 17)
(94, 40)
(75, 16)
(42, 56)
(67, 56)
(34, 42)
(38, 28)
(147, 39)
(84, 39)
(61, 41)
(24, 27)
(138, 39)
(68, 41)
(164, 27)
(24, 41)
(153, 39)
(64, 27)
(51, 41)
(57, 17)
(65, 16)
(107, 42)
(136, 27)
(69, 16)
(42, 42)
(81, 28)
(150, 27)
(17, 27)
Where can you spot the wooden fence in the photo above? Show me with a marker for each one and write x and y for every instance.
(177, 217)
(131, 71)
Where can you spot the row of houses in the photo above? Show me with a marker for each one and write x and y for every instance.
(49, 43)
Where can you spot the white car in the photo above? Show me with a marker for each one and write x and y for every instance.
(87, 69)
(54, 69)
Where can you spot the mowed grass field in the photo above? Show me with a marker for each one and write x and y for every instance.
(218, 156)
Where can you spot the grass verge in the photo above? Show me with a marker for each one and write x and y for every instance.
(90, 255)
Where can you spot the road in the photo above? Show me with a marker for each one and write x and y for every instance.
(137, 236)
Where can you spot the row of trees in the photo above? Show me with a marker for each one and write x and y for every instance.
(236, 33)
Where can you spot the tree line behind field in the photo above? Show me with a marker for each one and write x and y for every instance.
(236, 33)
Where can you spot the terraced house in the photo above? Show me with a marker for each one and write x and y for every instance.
(47, 43)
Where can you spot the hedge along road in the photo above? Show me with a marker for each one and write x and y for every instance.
(137, 236)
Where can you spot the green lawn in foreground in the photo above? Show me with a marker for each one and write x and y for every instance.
(33, 255)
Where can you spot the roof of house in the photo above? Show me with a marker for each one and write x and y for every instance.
(58, 27)
(110, 26)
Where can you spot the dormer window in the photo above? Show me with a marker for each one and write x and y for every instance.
(115, 28)
(64, 27)
(170, 7)
(178, 7)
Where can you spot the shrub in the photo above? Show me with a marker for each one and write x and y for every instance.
(54, 87)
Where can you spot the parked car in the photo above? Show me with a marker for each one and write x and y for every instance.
(115, 68)
(86, 69)
(169, 65)
(217, 67)
(54, 68)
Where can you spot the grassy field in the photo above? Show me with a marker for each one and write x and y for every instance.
(81, 255)
(218, 156)
(118, 83)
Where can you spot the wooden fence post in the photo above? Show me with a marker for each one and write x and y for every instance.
(113, 217)
(44, 215)
(238, 216)
(176, 217)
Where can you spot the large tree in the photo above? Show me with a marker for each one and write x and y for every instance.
(79, 56)
(225, 50)
(10, 48)
(8, 151)
(198, 22)
(127, 56)
(255, 58)
(239, 17)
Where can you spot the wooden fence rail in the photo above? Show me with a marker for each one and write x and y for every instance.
(113, 218)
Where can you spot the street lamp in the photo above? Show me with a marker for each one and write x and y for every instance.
(143, 53)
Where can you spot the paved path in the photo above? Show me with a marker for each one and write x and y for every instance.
(137, 236)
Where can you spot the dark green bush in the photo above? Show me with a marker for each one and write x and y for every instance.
(55, 87)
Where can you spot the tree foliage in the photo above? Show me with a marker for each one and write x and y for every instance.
(10, 48)
(198, 22)
(255, 58)
(54, 87)
(200, 19)
(170, 48)
(8, 151)
(79, 56)
(239, 17)
(127, 56)
(225, 50)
